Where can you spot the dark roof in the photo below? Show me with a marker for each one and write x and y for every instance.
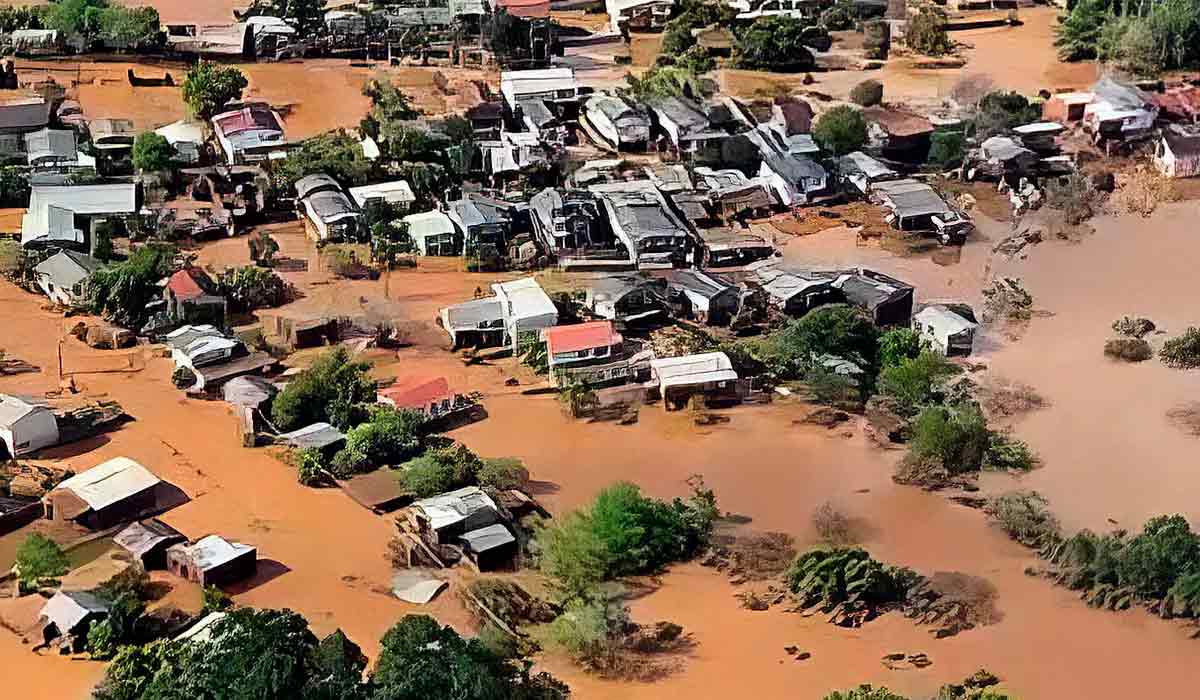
(870, 289)
(141, 537)
(23, 117)
(797, 115)
(697, 282)
(1182, 144)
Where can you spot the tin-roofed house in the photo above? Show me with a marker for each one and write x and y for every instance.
(687, 129)
(147, 541)
(627, 299)
(252, 133)
(641, 219)
(191, 297)
(62, 276)
(888, 300)
(213, 561)
(793, 179)
(485, 225)
(918, 208)
(333, 217)
(949, 328)
(621, 125)
(489, 548)
(396, 193)
(553, 85)
(1066, 107)
(51, 148)
(569, 222)
(527, 310)
(68, 616)
(1118, 111)
(477, 323)
(695, 294)
(434, 233)
(727, 246)
(442, 519)
(25, 427)
(63, 213)
(19, 117)
(797, 293)
(1177, 154)
(110, 493)
(112, 138)
(863, 172)
(709, 376)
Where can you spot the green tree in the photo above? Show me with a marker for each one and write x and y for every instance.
(310, 467)
(120, 292)
(841, 130)
(14, 187)
(420, 659)
(865, 692)
(388, 437)
(899, 344)
(335, 153)
(1078, 33)
(250, 287)
(917, 381)
(152, 152)
(76, 17)
(40, 559)
(131, 28)
(215, 600)
(774, 43)
(692, 14)
(835, 330)
(868, 93)
(947, 149)
(1164, 551)
(1000, 111)
(665, 81)
(209, 86)
(334, 389)
(957, 436)
(926, 32)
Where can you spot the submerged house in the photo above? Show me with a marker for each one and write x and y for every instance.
(949, 328)
(793, 179)
(592, 353)
(627, 299)
(443, 518)
(213, 561)
(863, 172)
(695, 294)
(732, 246)
(1177, 154)
(1118, 111)
(429, 396)
(25, 427)
(250, 134)
(620, 124)
(888, 300)
(708, 375)
(331, 213)
(641, 219)
(19, 117)
(108, 494)
(918, 208)
(147, 541)
(566, 221)
(69, 615)
(62, 276)
(433, 233)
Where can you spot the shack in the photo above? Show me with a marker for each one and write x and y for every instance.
(25, 426)
(252, 133)
(916, 207)
(888, 300)
(433, 233)
(797, 293)
(108, 494)
(442, 519)
(68, 616)
(949, 328)
(697, 295)
(627, 299)
(1118, 111)
(190, 295)
(707, 375)
(148, 541)
(318, 436)
(61, 276)
(1177, 154)
(617, 122)
(489, 548)
(644, 223)
(862, 171)
(687, 129)
(332, 215)
(19, 117)
(477, 323)
(568, 222)
(731, 247)
(213, 561)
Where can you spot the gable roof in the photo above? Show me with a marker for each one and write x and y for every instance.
(455, 506)
(416, 392)
(189, 283)
(13, 409)
(110, 482)
(897, 123)
(209, 552)
(581, 336)
(67, 609)
(1182, 145)
(67, 268)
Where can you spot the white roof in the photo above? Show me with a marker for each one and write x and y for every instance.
(693, 369)
(524, 298)
(396, 192)
(110, 482)
(944, 320)
(13, 409)
(66, 609)
(428, 223)
(202, 630)
(182, 131)
(213, 551)
(1038, 128)
(117, 198)
(1074, 97)
(454, 506)
(209, 343)
(516, 83)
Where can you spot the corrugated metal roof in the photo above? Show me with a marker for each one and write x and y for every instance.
(212, 551)
(693, 369)
(581, 336)
(68, 268)
(455, 506)
(317, 435)
(110, 482)
(487, 538)
(140, 537)
(525, 299)
(428, 224)
(396, 192)
(47, 143)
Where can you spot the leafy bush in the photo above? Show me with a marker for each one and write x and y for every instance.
(926, 33)
(251, 287)
(101, 641)
(776, 43)
(1182, 352)
(389, 436)
(502, 473)
(152, 152)
(832, 577)
(39, 559)
(957, 436)
(840, 130)
(916, 382)
(440, 470)
(209, 86)
(836, 330)
(216, 600)
(334, 389)
(833, 389)
(1133, 327)
(946, 149)
(1025, 516)
(14, 187)
(840, 17)
(583, 631)
(1078, 32)
(335, 153)
(120, 292)
(868, 93)
(666, 81)
(1074, 196)
(310, 467)
(899, 344)
(1007, 300)
(1000, 111)
(1128, 349)
(865, 692)
(1155, 559)
(1006, 453)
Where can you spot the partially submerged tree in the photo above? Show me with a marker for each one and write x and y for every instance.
(39, 559)
(335, 389)
(209, 86)
(152, 152)
(926, 32)
(840, 130)
(777, 43)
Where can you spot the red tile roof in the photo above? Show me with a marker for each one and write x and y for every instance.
(416, 392)
(582, 336)
(188, 283)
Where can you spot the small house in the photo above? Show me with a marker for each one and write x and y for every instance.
(396, 193)
(477, 323)
(539, 119)
(900, 135)
(916, 207)
(489, 548)
(571, 349)
(566, 221)
(797, 293)
(486, 119)
(25, 427)
(191, 297)
(1002, 157)
(429, 396)
(61, 213)
(433, 233)
(687, 128)
(252, 133)
(62, 276)
(709, 375)
(1177, 154)
(732, 246)
(526, 307)
(442, 519)
(333, 217)
(862, 171)
(888, 300)
(51, 148)
(627, 299)
(555, 85)
(642, 221)
(949, 328)
(1118, 111)
(213, 561)
(318, 436)
(207, 350)
(1040, 136)
(186, 137)
(108, 494)
(484, 224)
(68, 616)
(19, 117)
(695, 294)
(621, 125)
(793, 179)
(148, 541)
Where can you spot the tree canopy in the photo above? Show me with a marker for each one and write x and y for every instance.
(334, 389)
(121, 291)
(774, 43)
(841, 130)
(152, 152)
(209, 86)
(39, 558)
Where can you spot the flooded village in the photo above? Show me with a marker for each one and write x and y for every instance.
(612, 349)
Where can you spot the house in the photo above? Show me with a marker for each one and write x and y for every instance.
(621, 125)
(62, 213)
(796, 293)
(186, 137)
(626, 299)
(695, 294)
(396, 192)
(732, 246)
(862, 171)
(1178, 104)
(918, 208)
(733, 194)
(792, 179)
(433, 233)
(442, 519)
(190, 297)
(1177, 154)
(227, 41)
(899, 135)
(108, 494)
(112, 137)
(148, 541)
(1118, 111)
(888, 300)
(252, 133)
(209, 378)
(318, 436)
(332, 215)
(23, 116)
(638, 15)
(687, 129)
(669, 178)
(1001, 157)
(35, 42)
(183, 336)
(213, 561)
(477, 323)
(25, 427)
(949, 328)
(527, 309)
(642, 221)
(51, 148)
(486, 119)
(554, 85)
(565, 221)
(68, 615)
(489, 548)
(253, 392)
(680, 378)
(591, 352)
(1066, 107)
(519, 156)
(61, 276)
(429, 396)
(484, 223)
(1040, 136)
(18, 511)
